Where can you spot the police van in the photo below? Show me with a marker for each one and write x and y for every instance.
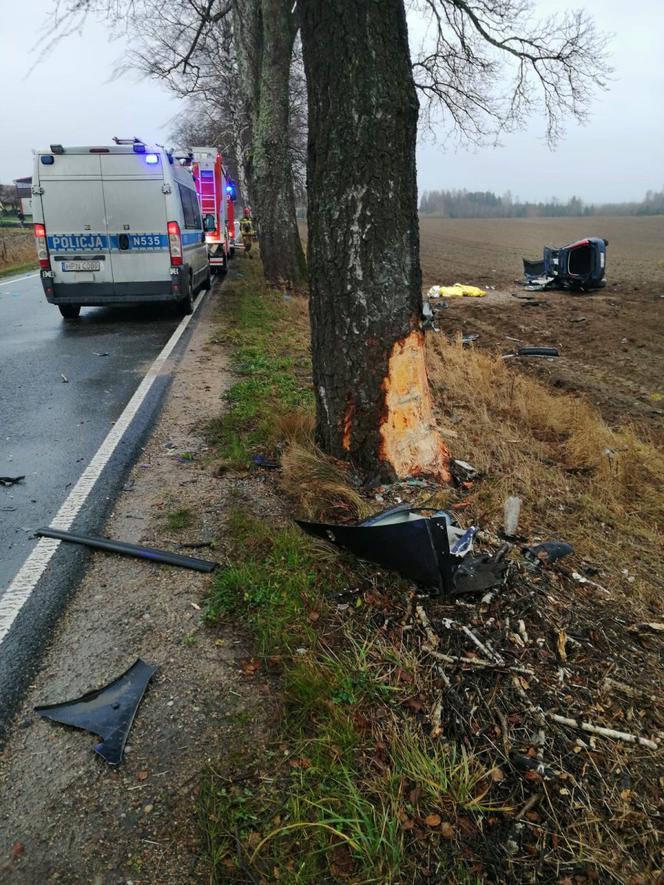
(117, 225)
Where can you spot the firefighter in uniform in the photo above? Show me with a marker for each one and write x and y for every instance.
(247, 229)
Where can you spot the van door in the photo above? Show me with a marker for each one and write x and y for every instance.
(73, 210)
(136, 218)
(194, 246)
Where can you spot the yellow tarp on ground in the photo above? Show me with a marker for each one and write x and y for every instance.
(458, 290)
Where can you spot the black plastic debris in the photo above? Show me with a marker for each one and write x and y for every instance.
(151, 553)
(479, 573)
(537, 351)
(548, 551)
(265, 463)
(425, 546)
(10, 480)
(107, 712)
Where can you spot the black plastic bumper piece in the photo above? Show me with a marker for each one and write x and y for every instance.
(151, 553)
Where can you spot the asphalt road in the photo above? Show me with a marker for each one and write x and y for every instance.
(49, 428)
(49, 431)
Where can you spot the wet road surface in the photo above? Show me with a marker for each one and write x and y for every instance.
(50, 428)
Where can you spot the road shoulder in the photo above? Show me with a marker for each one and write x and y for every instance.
(64, 813)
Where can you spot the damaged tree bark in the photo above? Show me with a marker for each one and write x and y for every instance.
(372, 394)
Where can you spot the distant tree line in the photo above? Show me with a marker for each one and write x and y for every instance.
(486, 204)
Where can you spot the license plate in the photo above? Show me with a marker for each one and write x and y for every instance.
(81, 265)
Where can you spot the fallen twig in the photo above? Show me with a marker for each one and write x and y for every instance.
(604, 732)
(432, 637)
(531, 803)
(477, 662)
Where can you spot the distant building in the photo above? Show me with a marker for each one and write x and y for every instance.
(24, 194)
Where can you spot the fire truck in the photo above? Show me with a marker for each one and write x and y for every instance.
(216, 196)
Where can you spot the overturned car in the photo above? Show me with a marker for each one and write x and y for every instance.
(579, 266)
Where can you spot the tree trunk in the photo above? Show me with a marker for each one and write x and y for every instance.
(372, 392)
(265, 32)
(248, 36)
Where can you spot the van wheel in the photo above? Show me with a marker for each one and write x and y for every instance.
(186, 304)
(69, 311)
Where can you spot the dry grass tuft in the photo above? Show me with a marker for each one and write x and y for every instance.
(295, 427)
(599, 487)
(17, 248)
(321, 487)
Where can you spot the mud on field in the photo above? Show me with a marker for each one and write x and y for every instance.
(611, 341)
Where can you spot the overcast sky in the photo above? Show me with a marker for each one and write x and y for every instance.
(70, 96)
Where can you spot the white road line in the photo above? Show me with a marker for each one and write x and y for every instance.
(18, 279)
(25, 581)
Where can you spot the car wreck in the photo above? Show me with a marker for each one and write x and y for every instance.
(580, 266)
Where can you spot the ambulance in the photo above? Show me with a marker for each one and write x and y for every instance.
(118, 224)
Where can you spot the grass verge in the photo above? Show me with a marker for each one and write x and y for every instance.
(384, 768)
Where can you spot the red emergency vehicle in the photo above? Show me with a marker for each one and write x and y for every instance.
(216, 196)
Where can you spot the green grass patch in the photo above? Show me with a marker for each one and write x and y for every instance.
(330, 796)
(270, 364)
(179, 519)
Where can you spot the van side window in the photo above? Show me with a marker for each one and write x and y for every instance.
(190, 208)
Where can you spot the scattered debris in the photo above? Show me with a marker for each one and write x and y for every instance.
(65, 380)
(163, 556)
(458, 290)
(579, 266)
(469, 337)
(266, 463)
(108, 712)
(538, 351)
(548, 551)
(404, 539)
(10, 480)
(479, 573)
(462, 471)
(536, 302)
(511, 513)
(103, 353)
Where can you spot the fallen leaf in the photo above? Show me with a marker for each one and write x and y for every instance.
(16, 850)
(250, 666)
(196, 606)
(561, 644)
(313, 616)
(496, 774)
(433, 820)
(447, 830)
(142, 775)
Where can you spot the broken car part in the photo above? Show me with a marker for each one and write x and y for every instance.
(537, 351)
(163, 556)
(548, 551)
(479, 573)
(10, 480)
(462, 471)
(579, 266)
(425, 546)
(108, 712)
